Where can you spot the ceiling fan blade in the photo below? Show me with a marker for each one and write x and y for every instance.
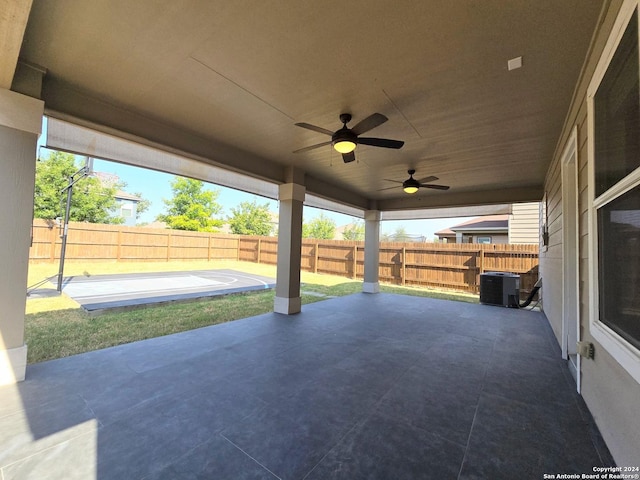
(381, 142)
(369, 123)
(435, 187)
(308, 126)
(312, 147)
(388, 188)
(348, 157)
(428, 179)
(394, 181)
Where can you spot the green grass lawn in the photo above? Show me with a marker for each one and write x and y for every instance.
(57, 327)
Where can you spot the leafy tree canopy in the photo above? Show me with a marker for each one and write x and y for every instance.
(354, 231)
(192, 207)
(400, 235)
(249, 218)
(91, 201)
(321, 227)
(142, 206)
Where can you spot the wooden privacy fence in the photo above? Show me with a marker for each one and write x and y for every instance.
(440, 265)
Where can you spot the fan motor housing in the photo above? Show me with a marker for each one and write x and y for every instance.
(344, 134)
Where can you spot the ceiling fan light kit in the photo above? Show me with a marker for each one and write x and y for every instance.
(410, 185)
(344, 146)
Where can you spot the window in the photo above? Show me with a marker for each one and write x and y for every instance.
(617, 114)
(484, 239)
(126, 210)
(614, 163)
(619, 265)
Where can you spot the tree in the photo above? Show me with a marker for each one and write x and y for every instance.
(401, 235)
(91, 201)
(354, 231)
(192, 207)
(249, 218)
(321, 227)
(142, 206)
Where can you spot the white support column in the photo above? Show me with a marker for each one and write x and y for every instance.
(20, 124)
(291, 198)
(371, 251)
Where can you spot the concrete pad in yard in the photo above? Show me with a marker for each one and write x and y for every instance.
(103, 292)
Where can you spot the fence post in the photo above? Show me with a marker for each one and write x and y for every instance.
(168, 245)
(355, 261)
(315, 259)
(209, 248)
(259, 247)
(404, 266)
(238, 249)
(119, 246)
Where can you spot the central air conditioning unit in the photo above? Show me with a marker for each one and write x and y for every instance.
(498, 288)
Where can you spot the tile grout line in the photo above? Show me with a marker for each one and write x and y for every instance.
(364, 417)
(475, 414)
(355, 424)
(236, 446)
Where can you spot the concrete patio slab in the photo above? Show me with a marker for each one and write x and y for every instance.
(357, 387)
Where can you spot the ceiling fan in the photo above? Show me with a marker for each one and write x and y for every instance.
(346, 139)
(411, 185)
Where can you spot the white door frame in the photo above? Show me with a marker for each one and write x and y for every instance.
(570, 253)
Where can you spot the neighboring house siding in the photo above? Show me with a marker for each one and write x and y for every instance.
(127, 210)
(496, 238)
(524, 223)
(609, 391)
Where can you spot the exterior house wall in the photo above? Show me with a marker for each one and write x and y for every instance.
(609, 391)
(496, 238)
(127, 210)
(524, 223)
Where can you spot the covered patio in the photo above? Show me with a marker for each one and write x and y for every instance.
(357, 387)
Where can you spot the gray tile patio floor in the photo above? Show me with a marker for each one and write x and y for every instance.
(358, 387)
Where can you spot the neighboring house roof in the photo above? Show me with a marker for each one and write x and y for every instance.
(156, 224)
(109, 180)
(489, 223)
(121, 195)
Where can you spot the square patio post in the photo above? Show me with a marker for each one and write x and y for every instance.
(371, 251)
(20, 124)
(291, 199)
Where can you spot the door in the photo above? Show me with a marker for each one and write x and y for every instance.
(570, 259)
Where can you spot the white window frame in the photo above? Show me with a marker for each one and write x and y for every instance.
(621, 350)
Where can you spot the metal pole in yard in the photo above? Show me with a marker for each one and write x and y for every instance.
(65, 231)
(79, 175)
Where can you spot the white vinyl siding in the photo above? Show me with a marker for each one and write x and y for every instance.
(524, 223)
